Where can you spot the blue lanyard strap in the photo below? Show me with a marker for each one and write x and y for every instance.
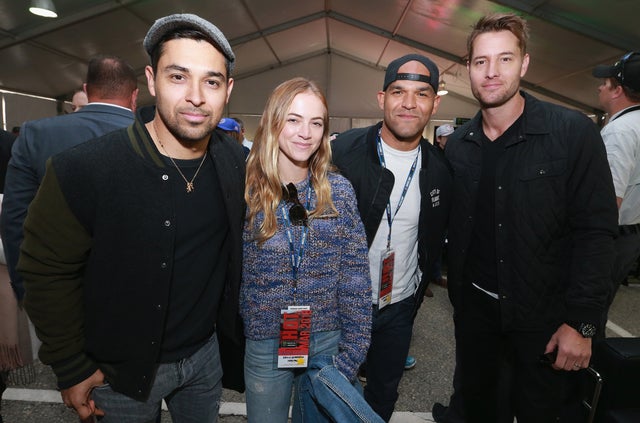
(295, 255)
(390, 216)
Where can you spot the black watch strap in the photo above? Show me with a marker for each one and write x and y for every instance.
(587, 330)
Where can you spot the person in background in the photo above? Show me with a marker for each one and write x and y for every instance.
(112, 90)
(79, 100)
(619, 95)
(403, 183)
(245, 142)
(232, 128)
(305, 256)
(133, 245)
(442, 133)
(530, 238)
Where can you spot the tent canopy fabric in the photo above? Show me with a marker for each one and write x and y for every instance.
(344, 45)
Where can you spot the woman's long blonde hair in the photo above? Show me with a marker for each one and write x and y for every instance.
(263, 191)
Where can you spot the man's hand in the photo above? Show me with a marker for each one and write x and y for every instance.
(78, 396)
(574, 351)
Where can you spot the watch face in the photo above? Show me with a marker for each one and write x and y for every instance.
(587, 330)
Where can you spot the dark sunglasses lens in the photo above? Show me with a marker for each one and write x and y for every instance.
(297, 212)
(291, 193)
(298, 215)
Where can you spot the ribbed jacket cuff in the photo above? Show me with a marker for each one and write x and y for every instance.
(73, 370)
(346, 366)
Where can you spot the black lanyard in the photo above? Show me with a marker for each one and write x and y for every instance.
(625, 111)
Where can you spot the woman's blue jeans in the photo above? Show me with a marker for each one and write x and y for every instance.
(268, 388)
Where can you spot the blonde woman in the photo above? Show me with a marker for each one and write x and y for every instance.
(306, 288)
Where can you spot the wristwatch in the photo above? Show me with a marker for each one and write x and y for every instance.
(587, 330)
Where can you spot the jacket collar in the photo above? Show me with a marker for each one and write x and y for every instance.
(535, 122)
(105, 108)
(372, 139)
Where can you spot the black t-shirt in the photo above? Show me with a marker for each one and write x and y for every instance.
(481, 265)
(200, 259)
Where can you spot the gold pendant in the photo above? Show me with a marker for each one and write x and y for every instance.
(189, 186)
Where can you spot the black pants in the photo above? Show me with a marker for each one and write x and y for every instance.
(627, 247)
(455, 411)
(493, 362)
(390, 339)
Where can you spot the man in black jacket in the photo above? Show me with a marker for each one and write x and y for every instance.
(132, 246)
(402, 182)
(530, 236)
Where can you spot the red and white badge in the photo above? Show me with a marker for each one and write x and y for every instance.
(385, 286)
(295, 332)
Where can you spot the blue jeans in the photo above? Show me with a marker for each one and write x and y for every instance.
(268, 388)
(191, 387)
(390, 339)
(326, 395)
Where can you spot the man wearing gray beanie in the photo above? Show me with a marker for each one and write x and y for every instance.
(132, 247)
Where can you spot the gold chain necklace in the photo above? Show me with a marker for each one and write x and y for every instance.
(190, 186)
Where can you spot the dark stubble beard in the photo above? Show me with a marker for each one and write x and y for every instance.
(401, 137)
(186, 136)
(501, 101)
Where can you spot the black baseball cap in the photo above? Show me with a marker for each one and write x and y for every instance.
(392, 71)
(626, 71)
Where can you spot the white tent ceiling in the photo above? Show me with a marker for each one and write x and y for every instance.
(345, 45)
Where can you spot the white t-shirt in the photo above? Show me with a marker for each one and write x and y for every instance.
(622, 139)
(404, 232)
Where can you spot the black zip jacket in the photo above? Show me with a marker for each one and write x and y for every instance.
(356, 156)
(555, 217)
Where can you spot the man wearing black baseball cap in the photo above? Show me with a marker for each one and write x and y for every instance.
(625, 71)
(402, 184)
(132, 247)
(619, 95)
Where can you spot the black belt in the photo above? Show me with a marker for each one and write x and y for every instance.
(629, 229)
